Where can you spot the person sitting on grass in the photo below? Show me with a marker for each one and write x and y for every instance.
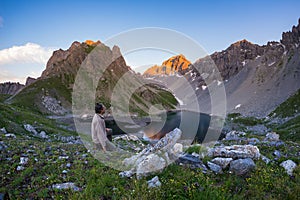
(99, 131)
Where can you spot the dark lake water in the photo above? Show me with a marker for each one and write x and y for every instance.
(192, 124)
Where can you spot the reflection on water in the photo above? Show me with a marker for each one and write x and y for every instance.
(192, 124)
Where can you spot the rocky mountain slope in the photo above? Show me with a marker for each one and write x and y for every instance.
(12, 88)
(52, 92)
(256, 78)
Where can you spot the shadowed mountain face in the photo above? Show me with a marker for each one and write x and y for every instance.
(13, 88)
(52, 92)
(256, 78)
(10, 88)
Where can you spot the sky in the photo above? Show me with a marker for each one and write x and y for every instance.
(31, 30)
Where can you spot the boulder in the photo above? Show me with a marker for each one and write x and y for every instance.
(223, 162)
(242, 166)
(234, 135)
(272, 136)
(289, 166)
(235, 151)
(151, 159)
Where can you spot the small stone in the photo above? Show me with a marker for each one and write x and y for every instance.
(19, 168)
(126, 174)
(242, 166)
(68, 165)
(289, 166)
(214, 167)
(3, 130)
(2, 145)
(84, 155)
(10, 135)
(64, 172)
(23, 160)
(265, 159)
(277, 153)
(43, 135)
(154, 182)
(196, 154)
(68, 185)
(63, 157)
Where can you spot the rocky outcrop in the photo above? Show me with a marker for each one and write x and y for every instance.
(10, 88)
(291, 39)
(242, 166)
(176, 64)
(29, 81)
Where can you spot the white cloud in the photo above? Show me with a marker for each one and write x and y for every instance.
(28, 53)
(1, 22)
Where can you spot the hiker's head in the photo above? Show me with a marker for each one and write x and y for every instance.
(99, 108)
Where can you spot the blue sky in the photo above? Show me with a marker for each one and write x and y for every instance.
(47, 25)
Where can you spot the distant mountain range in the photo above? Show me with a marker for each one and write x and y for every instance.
(257, 78)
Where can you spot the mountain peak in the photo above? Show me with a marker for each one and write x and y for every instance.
(291, 39)
(92, 43)
(177, 63)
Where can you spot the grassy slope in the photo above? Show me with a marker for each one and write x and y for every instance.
(98, 181)
(288, 108)
(289, 130)
(30, 97)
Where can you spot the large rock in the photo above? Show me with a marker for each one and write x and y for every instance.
(272, 137)
(235, 151)
(289, 166)
(242, 166)
(152, 157)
